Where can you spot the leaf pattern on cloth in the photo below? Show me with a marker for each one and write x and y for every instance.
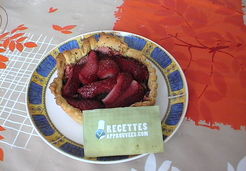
(65, 30)
(240, 167)
(165, 165)
(1, 155)
(230, 167)
(1, 150)
(51, 9)
(150, 165)
(208, 43)
(174, 169)
(13, 40)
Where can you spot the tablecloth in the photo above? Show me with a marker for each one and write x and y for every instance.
(207, 38)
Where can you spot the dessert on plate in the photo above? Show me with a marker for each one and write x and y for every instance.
(103, 73)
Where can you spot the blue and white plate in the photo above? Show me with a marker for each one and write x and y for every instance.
(63, 134)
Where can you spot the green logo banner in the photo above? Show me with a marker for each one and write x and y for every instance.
(122, 131)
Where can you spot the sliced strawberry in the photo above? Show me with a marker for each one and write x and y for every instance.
(68, 71)
(107, 51)
(71, 86)
(82, 60)
(88, 73)
(84, 104)
(134, 93)
(123, 82)
(107, 68)
(96, 88)
(104, 50)
(106, 57)
(138, 70)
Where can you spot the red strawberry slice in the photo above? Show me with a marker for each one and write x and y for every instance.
(107, 68)
(104, 50)
(96, 88)
(107, 51)
(68, 71)
(123, 82)
(134, 93)
(88, 73)
(82, 61)
(85, 104)
(138, 70)
(71, 86)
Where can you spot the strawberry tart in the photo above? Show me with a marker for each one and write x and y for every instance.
(103, 73)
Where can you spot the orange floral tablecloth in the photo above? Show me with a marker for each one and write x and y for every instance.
(208, 39)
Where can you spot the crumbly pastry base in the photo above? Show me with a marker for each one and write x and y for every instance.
(88, 44)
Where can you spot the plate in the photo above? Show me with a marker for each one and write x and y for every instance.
(63, 134)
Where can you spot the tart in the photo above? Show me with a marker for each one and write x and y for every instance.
(103, 73)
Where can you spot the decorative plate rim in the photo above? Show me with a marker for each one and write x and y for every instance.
(186, 95)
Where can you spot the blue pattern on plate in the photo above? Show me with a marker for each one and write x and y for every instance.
(43, 125)
(161, 57)
(97, 36)
(111, 158)
(46, 66)
(69, 46)
(175, 80)
(175, 114)
(35, 93)
(72, 149)
(135, 42)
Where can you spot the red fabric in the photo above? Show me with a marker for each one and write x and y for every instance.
(208, 38)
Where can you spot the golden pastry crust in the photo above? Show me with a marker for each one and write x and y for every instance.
(88, 44)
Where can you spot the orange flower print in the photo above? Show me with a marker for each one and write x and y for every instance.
(13, 40)
(51, 10)
(65, 30)
(208, 39)
(1, 150)
(1, 154)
